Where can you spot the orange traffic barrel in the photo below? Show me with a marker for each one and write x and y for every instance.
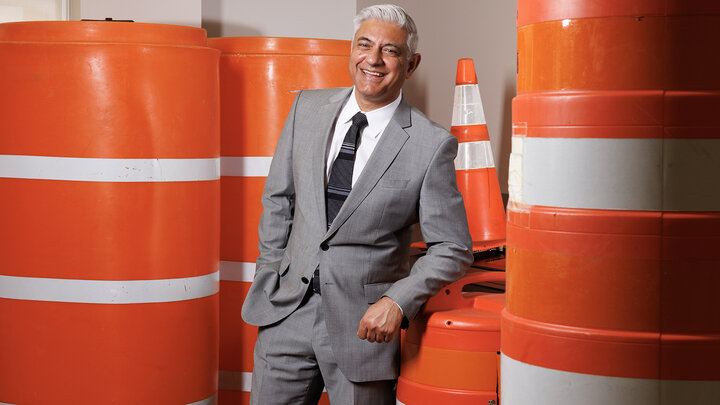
(259, 79)
(614, 213)
(110, 214)
(474, 165)
(450, 352)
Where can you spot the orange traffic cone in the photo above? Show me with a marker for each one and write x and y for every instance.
(476, 175)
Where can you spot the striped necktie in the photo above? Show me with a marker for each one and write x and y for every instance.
(340, 180)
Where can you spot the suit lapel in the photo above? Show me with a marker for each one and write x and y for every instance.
(392, 140)
(326, 118)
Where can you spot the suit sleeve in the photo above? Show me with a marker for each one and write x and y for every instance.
(444, 227)
(278, 200)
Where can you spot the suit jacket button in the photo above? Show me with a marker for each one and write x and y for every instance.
(304, 280)
(324, 246)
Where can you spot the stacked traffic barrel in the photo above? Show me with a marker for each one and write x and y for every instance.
(450, 352)
(614, 214)
(109, 214)
(259, 79)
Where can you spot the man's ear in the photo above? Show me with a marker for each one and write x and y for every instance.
(413, 64)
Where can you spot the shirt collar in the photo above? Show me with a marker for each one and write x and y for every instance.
(378, 119)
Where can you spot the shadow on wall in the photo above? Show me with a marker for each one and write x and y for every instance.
(506, 130)
(415, 92)
(215, 28)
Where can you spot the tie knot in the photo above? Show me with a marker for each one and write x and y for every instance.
(359, 120)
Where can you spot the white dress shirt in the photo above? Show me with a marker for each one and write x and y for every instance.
(369, 137)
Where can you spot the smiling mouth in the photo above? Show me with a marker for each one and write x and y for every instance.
(375, 74)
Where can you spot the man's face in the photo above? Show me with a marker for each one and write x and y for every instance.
(379, 63)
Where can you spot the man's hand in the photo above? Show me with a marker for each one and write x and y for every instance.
(381, 321)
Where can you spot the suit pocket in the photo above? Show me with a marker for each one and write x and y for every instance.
(268, 279)
(393, 183)
(375, 291)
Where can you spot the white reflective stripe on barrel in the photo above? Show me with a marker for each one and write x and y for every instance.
(474, 155)
(525, 384)
(249, 166)
(625, 174)
(235, 380)
(515, 177)
(237, 271)
(208, 401)
(108, 291)
(108, 170)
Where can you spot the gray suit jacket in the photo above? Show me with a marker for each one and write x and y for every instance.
(410, 177)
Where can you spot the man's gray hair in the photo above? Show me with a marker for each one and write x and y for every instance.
(392, 14)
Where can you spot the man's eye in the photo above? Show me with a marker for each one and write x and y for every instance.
(391, 51)
(363, 45)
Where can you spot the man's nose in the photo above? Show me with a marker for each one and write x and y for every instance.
(374, 57)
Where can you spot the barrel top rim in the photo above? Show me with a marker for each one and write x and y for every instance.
(101, 32)
(280, 45)
(533, 11)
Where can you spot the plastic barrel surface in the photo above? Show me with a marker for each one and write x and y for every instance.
(450, 352)
(614, 221)
(109, 214)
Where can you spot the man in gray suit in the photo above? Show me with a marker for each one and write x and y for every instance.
(353, 170)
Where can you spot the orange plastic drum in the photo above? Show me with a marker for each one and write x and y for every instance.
(450, 352)
(614, 213)
(259, 79)
(109, 214)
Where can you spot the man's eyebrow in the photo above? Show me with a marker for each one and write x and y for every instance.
(389, 44)
(393, 45)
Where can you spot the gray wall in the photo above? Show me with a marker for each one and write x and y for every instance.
(329, 19)
(179, 12)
